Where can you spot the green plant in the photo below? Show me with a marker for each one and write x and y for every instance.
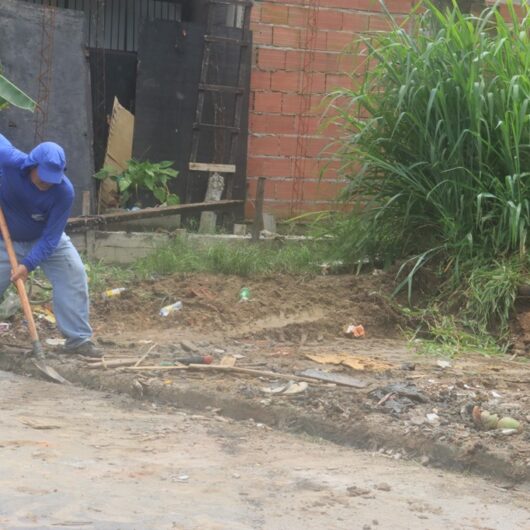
(12, 95)
(436, 146)
(242, 260)
(143, 176)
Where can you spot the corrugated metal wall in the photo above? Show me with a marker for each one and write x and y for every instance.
(119, 21)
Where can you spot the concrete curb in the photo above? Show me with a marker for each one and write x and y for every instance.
(361, 435)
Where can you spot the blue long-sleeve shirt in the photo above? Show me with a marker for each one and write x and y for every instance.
(32, 214)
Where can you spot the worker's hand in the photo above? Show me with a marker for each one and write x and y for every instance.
(20, 273)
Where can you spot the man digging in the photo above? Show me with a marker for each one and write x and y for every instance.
(36, 197)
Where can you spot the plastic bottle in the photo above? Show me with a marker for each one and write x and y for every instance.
(114, 292)
(244, 294)
(10, 305)
(165, 311)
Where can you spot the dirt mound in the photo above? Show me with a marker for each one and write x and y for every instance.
(281, 307)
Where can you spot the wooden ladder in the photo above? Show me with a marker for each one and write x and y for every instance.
(233, 128)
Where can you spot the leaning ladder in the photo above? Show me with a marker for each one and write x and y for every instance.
(232, 129)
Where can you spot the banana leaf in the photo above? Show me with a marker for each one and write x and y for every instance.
(10, 94)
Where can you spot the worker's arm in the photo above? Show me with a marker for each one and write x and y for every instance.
(9, 155)
(55, 225)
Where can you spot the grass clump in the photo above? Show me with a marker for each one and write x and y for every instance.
(242, 260)
(436, 147)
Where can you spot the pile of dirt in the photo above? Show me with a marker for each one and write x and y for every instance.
(280, 307)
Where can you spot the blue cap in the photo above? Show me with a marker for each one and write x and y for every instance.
(50, 160)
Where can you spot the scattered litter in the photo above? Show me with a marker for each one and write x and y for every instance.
(228, 360)
(289, 389)
(179, 478)
(487, 421)
(354, 362)
(398, 397)
(238, 356)
(187, 345)
(332, 266)
(219, 351)
(495, 394)
(354, 331)
(244, 294)
(55, 342)
(339, 379)
(509, 423)
(110, 293)
(433, 418)
(10, 306)
(172, 308)
(443, 364)
(44, 313)
(4, 327)
(196, 359)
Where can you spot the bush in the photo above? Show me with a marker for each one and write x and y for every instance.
(436, 143)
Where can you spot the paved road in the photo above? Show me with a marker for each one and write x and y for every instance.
(72, 458)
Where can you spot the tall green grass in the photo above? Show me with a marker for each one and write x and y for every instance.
(436, 145)
(244, 260)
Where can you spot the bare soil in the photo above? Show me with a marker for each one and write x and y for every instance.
(74, 458)
(411, 397)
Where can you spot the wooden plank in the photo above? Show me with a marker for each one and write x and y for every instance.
(213, 168)
(221, 88)
(258, 217)
(79, 222)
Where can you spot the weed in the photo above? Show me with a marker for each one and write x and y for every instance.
(242, 260)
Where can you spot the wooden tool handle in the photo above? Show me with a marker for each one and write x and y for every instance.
(24, 300)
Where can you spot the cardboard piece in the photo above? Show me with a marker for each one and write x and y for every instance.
(119, 152)
(354, 362)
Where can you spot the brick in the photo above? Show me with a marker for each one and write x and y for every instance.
(399, 6)
(313, 41)
(316, 82)
(305, 147)
(298, 17)
(291, 103)
(274, 14)
(262, 34)
(324, 62)
(379, 23)
(255, 13)
(287, 37)
(348, 63)
(271, 59)
(283, 189)
(334, 81)
(268, 102)
(285, 81)
(322, 190)
(272, 123)
(294, 59)
(260, 80)
(355, 22)
(264, 146)
(339, 41)
(288, 145)
(329, 19)
(308, 125)
(276, 167)
(366, 5)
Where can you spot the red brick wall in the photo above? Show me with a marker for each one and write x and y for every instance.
(275, 143)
